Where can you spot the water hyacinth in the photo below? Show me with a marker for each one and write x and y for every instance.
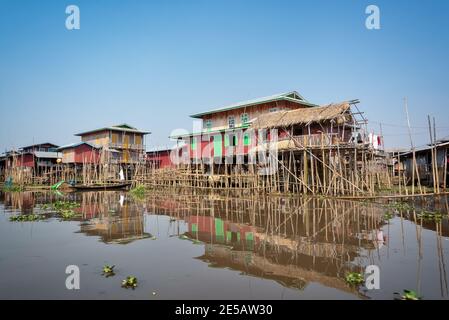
(354, 278)
(129, 282)
(108, 271)
(408, 295)
(26, 217)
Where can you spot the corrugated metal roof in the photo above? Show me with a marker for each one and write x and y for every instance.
(160, 149)
(40, 144)
(210, 132)
(74, 145)
(292, 96)
(424, 148)
(121, 127)
(48, 155)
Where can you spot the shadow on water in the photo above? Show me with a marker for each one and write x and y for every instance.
(305, 245)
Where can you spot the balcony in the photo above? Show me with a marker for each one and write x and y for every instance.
(137, 147)
(318, 140)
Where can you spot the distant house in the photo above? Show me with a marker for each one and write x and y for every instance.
(159, 158)
(38, 156)
(80, 153)
(3, 163)
(423, 158)
(120, 143)
(43, 147)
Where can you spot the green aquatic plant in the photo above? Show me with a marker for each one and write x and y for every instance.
(408, 295)
(388, 216)
(401, 206)
(65, 205)
(430, 216)
(354, 278)
(64, 208)
(13, 188)
(25, 217)
(67, 214)
(108, 271)
(138, 192)
(129, 282)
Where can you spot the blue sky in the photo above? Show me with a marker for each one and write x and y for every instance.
(152, 63)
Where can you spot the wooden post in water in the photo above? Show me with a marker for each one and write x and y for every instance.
(433, 155)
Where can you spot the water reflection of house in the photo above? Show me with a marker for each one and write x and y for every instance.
(292, 261)
(112, 218)
(115, 229)
(23, 202)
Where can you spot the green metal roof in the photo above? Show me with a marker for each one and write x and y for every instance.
(205, 132)
(292, 96)
(120, 127)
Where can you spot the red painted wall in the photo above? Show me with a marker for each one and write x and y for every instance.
(161, 158)
(26, 160)
(86, 154)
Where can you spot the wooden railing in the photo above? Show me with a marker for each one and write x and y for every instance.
(318, 140)
(127, 146)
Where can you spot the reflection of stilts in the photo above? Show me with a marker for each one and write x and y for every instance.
(441, 262)
(418, 229)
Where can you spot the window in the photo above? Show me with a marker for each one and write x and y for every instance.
(274, 109)
(233, 140)
(193, 143)
(297, 131)
(244, 118)
(208, 124)
(246, 139)
(231, 122)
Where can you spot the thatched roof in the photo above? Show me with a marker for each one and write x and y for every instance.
(302, 116)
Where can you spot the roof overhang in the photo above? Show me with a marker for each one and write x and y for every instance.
(292, 96)
(118, 129)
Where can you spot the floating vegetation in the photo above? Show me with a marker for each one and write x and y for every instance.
(26, 217)
(388, 216)
(67, 214)
(13, 188)
(194, 241)
(400, 206)
(408, 295)
(63, 208)
(354, 278)
(129, 282)
(138, 192)
(430, 216)
(108, 271)
(65, 205)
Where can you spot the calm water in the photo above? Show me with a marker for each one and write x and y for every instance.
(186, 246)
